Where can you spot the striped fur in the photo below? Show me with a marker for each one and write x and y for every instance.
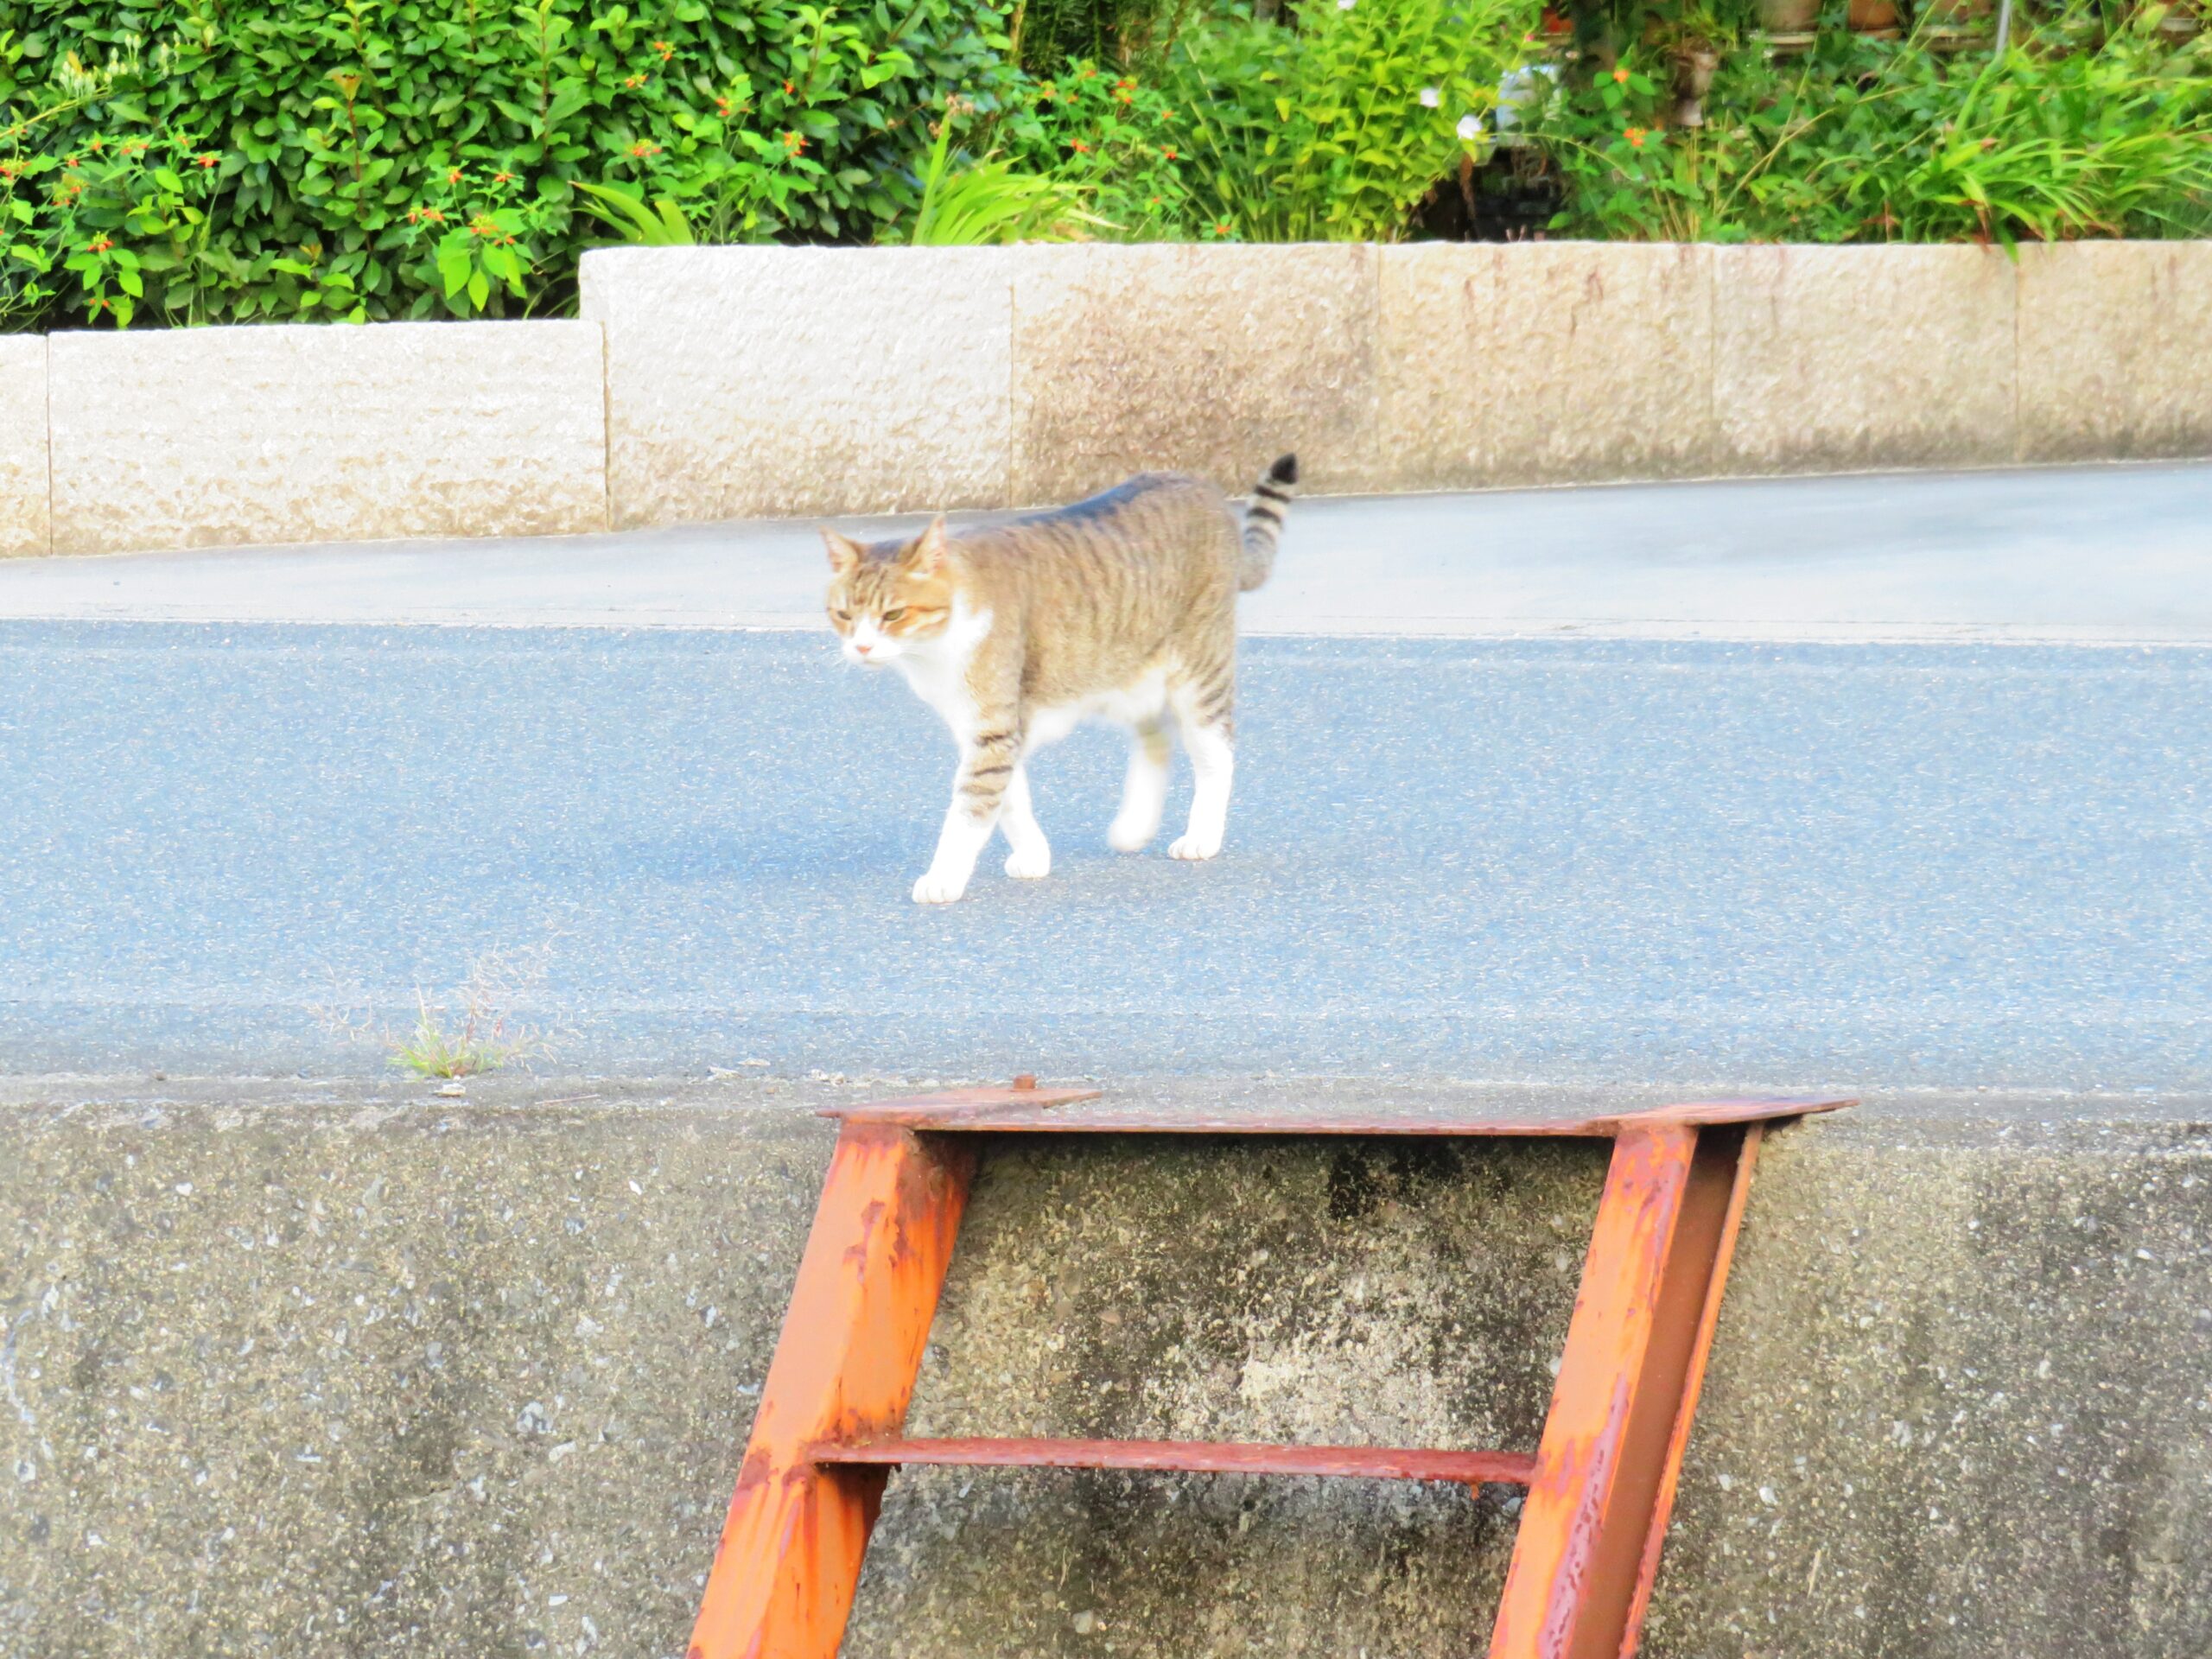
(1121, 607)
(1263, 517)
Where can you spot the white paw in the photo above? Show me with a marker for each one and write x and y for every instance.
(1131, 835)
(1030, 864)
(935, 889)
(1194, 847)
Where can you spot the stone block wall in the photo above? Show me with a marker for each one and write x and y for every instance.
(24, 524)
(1051, 371)
(195, 437)
(704, 384)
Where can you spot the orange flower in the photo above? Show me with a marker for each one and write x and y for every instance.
(1620, 73)
(1169, 152)
(788, 87)
(666, 50)
(452, 175)
(484, 225)
(209, 160)
(1635, 136)
(643, 149)
(1221, 227)
(721, 107)
(634, 81)
(98, 245)
(502, 178)
(794, 143)
(1090, 74)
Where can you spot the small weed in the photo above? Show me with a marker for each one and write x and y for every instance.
(480, 1043)
(471, 1030)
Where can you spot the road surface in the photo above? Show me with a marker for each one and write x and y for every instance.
(1858, 783)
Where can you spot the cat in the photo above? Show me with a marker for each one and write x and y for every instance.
(1121, 607)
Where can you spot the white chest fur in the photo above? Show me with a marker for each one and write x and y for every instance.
(937, 669)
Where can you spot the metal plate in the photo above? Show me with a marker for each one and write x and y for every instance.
(1068, 1111)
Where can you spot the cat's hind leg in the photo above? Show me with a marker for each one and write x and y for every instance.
(1030, 856)
(1144, 792)
(1203, 710)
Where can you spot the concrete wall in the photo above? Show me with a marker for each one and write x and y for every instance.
(24, 523)
(788, 379)
(715, 383)
(218, 436)
(760, 382)
(287, 1373)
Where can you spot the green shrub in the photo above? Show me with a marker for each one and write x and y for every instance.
(1330, 131)
(1049, 34)
(1870, 141)
(1335, 131)
(1119, 140)
(388, 158)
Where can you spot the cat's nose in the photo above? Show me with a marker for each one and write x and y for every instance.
(861, 647)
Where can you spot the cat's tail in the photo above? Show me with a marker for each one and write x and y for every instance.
(1263, 517)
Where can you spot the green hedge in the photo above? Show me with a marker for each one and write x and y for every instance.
(226, 160)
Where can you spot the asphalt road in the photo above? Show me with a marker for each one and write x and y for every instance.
(2110, 555)
(1721, 864)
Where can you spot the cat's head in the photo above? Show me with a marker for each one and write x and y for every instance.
(889, 597)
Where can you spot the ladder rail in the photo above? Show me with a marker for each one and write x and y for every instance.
(792, 1544)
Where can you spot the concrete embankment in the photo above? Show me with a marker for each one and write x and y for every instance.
(294, 1368)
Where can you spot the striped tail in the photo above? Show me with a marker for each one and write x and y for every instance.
(1263, 519)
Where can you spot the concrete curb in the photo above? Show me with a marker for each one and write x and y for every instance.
(707, 384)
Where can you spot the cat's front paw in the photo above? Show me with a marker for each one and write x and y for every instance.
(1193, 847)
(1131, 835)
(1030, 864)
(935, 889)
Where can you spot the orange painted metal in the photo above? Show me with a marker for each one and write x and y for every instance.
(1601, 1465)
(1662, 1507)
(1367, 1462)
(1081, 1111)
(1601, 1483)
(790, 1557)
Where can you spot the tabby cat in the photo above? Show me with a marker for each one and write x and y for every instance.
(1121, 607)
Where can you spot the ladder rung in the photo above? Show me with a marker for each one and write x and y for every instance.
(1374, 1462)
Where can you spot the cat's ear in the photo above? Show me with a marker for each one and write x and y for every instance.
(926, 556)
(844, 552)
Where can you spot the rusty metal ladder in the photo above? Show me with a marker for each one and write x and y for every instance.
(1600, 1484)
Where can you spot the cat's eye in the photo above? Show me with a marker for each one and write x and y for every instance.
(843, 616)
(894, 614)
